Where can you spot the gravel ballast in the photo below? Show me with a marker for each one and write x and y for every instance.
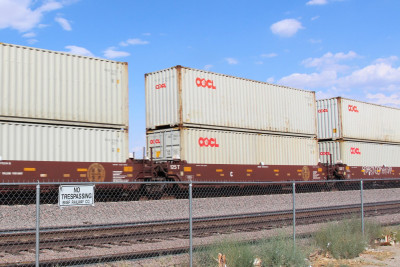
(23, 216)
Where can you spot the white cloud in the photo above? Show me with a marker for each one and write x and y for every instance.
(376, 76)
(388, 60)
(372, 81)
(310, 81)
(325, 94)
(314, 18)
(42, 26)
(231, 61)
(330, 61)
(19, 14)
(112, 53)
(32, 41)
(317, 2)
(29, 35)
(286, 27)
(49, 6)
(146, 34)
(372, 77)
(208, 67)
(271, 80)
(64, 23)
(135, 41)
(270, 55)
(76, 50)
(381, 99)
(315, 41)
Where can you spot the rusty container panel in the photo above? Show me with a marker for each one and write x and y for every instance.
(204, 99)
(341, 118)
(205, 146)
(354, 153)
(40, 142)
(43, 86)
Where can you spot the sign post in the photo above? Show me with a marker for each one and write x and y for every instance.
(75, 195)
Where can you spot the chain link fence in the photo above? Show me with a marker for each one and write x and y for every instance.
(171, 223)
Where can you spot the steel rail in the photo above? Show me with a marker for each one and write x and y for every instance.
(56, 238)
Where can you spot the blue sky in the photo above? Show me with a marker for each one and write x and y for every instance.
(347, 48)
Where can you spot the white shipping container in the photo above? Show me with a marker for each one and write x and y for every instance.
(205, 146)
(360, 153)
(341, 118)
(39, 85)
(39, 142)
(183, 96)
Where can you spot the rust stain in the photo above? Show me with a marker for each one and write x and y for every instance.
(179, 73)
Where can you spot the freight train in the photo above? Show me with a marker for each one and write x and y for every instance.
(68, 122)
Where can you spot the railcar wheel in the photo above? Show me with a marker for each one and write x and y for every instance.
(156, 190)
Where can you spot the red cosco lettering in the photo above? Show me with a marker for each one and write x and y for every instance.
(155, 141)
(322, 110)
(205, 83)
(355, 151)
(324, 153)
(201, 141)
(352, 108)
(208, 142)
(162, 85)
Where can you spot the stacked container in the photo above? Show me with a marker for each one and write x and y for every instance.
(57, 106)
(358, 133)
(205, 117)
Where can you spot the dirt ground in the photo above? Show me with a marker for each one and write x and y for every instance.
(379, 256)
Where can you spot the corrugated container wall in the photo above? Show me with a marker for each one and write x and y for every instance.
(40, 142)
(40, 86)
(205, 146)
(181, 96)
(360, 153)
(340, 118)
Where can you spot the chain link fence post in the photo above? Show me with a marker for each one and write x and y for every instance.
(190, 224)
(362, 205)
(294, 213)
(37, 250)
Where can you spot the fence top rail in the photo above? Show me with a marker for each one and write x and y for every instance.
(205, 182)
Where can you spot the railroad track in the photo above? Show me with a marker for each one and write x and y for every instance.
(100, 236)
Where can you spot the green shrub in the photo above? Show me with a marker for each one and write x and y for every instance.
(237, 254)
(279, 251)
(344, 240)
